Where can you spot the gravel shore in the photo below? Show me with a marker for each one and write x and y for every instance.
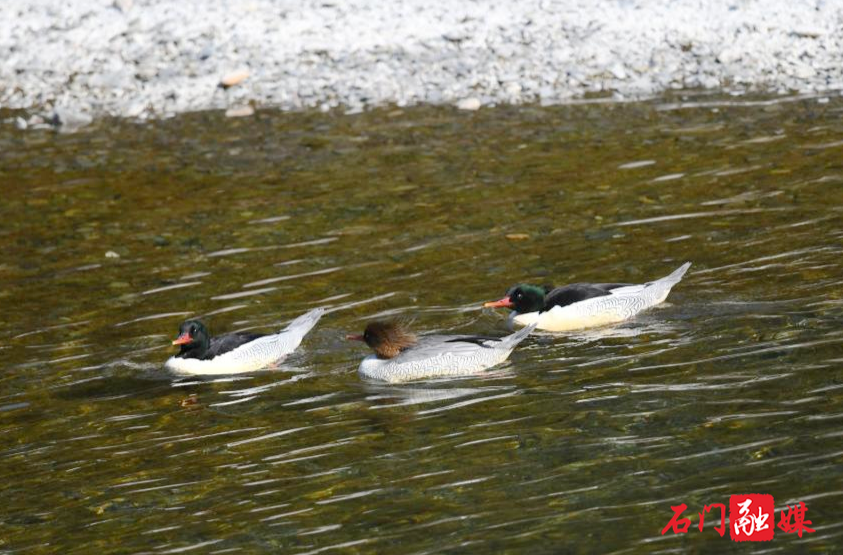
(72, 60)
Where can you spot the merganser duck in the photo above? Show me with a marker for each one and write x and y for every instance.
(401, 356)
(584, 305)
(236, 353)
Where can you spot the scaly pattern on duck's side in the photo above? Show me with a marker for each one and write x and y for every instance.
(441, 356)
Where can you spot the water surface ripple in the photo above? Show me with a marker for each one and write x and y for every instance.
(580, 443)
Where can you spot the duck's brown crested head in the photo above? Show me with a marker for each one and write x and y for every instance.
(388, 338)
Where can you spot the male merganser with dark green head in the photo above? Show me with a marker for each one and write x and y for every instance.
(584, 305)
(235, 353)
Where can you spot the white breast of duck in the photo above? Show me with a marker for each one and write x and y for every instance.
(584, 305)
(237, 353)
(437, 356)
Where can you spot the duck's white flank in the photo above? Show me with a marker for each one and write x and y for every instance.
(252, 356)
(619, 305)
(436, 356)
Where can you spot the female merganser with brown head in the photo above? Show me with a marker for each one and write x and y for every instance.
(584, 305)
(235, 353)
(402, 356)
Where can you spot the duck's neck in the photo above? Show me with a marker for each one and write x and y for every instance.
(387, 351)
(194, 350)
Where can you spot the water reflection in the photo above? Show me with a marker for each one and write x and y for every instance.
(392, 396)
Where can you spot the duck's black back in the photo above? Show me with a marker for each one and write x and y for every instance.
(576, 292)
(222, 344)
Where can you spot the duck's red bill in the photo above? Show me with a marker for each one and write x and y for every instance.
(504, 302)
(183, 339)
(354, 337)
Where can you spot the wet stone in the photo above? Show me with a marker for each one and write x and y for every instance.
(239, 112)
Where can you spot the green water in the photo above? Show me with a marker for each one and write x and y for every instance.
(580, 444)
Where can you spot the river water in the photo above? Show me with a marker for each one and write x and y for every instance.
(581, 443)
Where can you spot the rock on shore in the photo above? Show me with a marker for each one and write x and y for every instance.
(74, 59)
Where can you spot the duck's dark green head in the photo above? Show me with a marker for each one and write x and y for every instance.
(193, 339)
(522, 298)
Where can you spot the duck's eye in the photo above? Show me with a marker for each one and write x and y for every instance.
(193, 330)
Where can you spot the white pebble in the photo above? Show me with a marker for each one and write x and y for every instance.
(471, 103)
